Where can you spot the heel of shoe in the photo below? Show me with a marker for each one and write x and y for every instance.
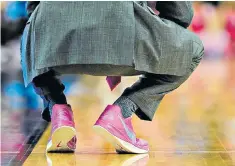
(60, 140)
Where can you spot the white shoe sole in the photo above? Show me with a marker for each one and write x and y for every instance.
(60, 139)
(120, 145)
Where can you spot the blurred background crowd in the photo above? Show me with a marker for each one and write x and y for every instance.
(214, 22)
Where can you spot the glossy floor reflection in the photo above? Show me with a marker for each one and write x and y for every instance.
(195, 125)
(19, 132)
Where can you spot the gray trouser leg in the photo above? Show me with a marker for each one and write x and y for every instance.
(148, 92)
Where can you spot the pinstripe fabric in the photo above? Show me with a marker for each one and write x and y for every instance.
(162, 46)
(181, 12)
(116, 33)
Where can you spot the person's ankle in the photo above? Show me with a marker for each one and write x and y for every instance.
(127, 106)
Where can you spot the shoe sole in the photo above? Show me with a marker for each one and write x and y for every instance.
(120, 145)
(60, 139)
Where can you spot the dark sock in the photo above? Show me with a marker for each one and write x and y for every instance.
(55, 97)
(50, 88)
(127, 106)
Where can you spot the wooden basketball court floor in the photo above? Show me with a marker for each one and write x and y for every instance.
(194, 125)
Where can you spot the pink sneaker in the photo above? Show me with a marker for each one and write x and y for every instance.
(63, 133)
(119, 131)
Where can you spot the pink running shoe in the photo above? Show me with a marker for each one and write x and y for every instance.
(63, 133)
(119, 131)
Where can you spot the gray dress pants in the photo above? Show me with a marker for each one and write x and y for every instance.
(146, 93)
